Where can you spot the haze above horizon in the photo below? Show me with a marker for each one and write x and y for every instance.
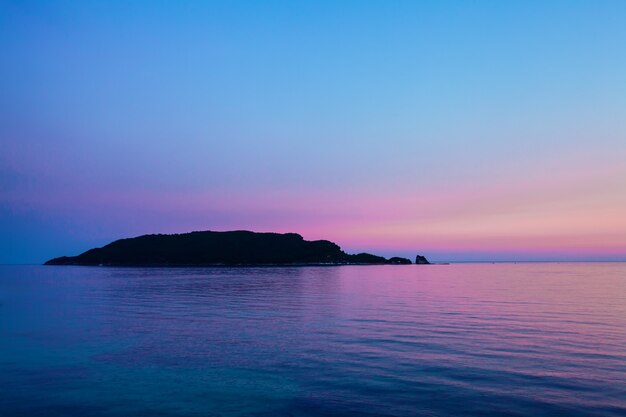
(460, 131)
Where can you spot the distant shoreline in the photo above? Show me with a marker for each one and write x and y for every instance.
(294, 265)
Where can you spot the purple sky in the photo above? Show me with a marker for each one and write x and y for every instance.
(463, 131)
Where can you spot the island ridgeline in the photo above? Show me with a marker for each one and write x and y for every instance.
(239, 247)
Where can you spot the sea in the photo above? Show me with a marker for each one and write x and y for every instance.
(504, 339)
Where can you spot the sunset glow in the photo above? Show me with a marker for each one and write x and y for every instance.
(461, 133)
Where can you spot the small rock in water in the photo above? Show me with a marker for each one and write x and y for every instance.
(421, 260)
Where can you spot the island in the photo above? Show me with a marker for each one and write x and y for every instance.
(209, 248)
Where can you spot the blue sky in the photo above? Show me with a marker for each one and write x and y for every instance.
(464, 130)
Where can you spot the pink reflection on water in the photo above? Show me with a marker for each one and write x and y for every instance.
(533, 310)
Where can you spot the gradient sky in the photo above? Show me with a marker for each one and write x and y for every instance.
(462, 130)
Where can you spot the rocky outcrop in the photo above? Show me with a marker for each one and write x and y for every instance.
(399, 261)
(421, 260)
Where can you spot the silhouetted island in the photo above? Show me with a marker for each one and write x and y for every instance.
(221, 248)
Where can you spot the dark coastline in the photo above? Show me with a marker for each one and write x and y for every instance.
(283, 265)
(224, 249)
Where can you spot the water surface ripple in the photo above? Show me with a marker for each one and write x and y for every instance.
(444, 340)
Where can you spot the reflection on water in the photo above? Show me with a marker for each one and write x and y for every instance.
(475, 339)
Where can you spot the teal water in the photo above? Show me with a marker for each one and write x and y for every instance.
(446, 340)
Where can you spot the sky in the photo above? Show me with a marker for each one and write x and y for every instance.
(461, 130)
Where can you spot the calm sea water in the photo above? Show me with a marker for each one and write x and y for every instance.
(456, 340)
